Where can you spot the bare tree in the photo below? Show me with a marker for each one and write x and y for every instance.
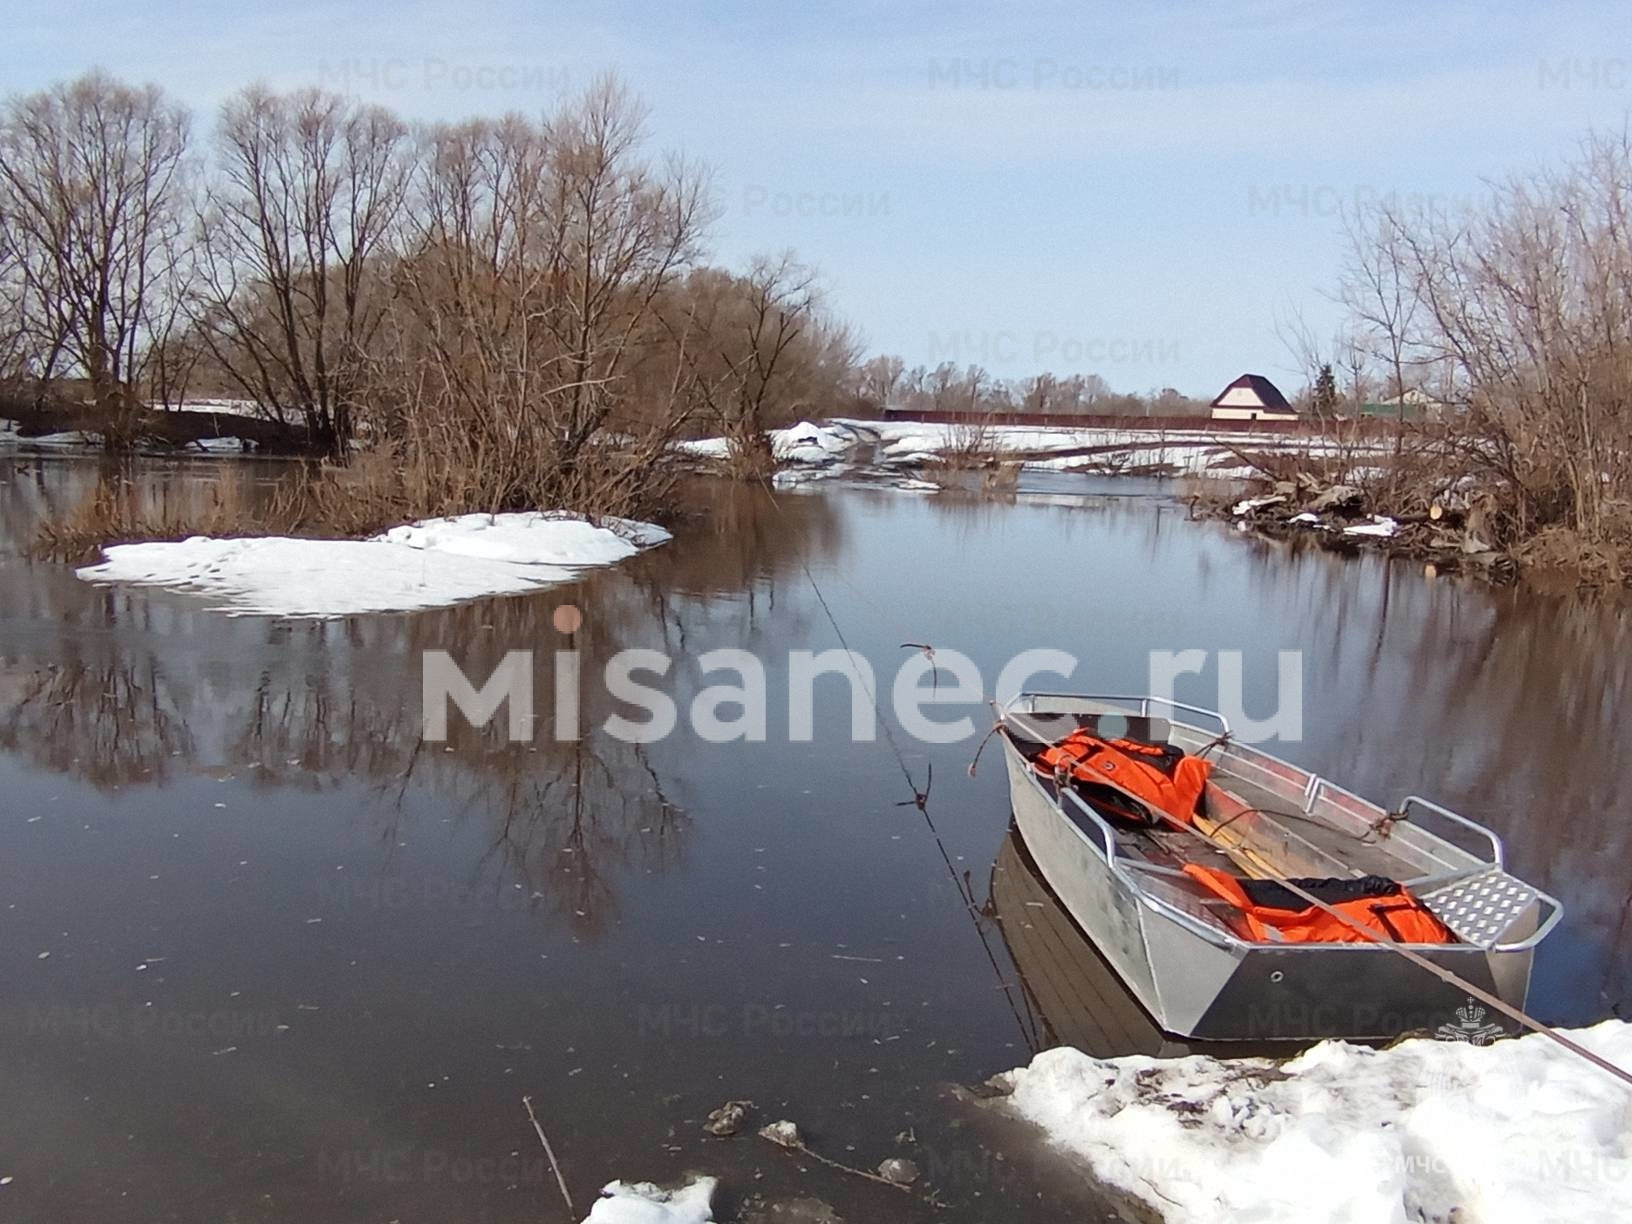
(778, 305)
(93, 176)
(880, 380)
(293, 238)
(1376, 290)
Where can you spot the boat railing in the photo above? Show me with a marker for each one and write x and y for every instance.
(1099, 832)
(1415, 805)
(1137, 877)
(1123, 703)
(1313, 794)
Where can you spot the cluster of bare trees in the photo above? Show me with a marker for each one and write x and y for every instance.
(490, 304)
(1519, 315)
(887, 382)
(94, 187)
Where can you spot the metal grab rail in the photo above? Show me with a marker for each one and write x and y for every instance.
(1142, 702)
(1119, 867)
(1498, 851)
(1542, 930)
(1127, 872)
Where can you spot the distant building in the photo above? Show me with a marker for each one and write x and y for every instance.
(1412, 404)
(1252, 397)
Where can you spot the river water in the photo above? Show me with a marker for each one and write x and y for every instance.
(266, 955)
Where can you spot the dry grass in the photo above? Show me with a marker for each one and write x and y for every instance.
(120, 511)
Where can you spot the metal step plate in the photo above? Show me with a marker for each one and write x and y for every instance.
(1480, 908)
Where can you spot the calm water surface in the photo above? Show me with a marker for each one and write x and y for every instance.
(264, 955)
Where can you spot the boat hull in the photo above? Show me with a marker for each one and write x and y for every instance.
(1220, 989)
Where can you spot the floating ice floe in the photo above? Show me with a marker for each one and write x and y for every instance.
(1516, 1131)
(419, 565)
(644, 1203)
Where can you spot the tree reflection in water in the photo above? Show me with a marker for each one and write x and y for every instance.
(122, 688)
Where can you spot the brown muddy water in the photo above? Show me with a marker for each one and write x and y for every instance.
(266, 956)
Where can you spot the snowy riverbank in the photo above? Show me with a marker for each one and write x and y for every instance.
(644, 1203)
(418, 565)
(1516, 1132)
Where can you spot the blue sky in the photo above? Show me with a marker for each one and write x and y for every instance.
(1141, 191)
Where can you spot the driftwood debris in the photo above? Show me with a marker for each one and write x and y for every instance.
(1444, 527)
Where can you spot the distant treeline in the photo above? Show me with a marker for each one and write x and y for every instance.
(527, 286)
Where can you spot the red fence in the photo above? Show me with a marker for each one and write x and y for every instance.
(1168, 424)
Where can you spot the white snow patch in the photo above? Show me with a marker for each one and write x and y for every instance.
(420, 565)
(1377, 525)
(702, 448)
(70, 439)
(1248, 505)
(222, 446)
(1437, 1131)
(644, 1203)
(808, 442)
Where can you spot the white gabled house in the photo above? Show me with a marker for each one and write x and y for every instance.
(1252, 397)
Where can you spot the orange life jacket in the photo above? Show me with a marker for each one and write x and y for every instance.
(1159, 775)
(1389, 912)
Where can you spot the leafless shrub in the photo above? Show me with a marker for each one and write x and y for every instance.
(970, 443)
(1519, 314)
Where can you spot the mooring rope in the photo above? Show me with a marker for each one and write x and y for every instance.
(920, 798)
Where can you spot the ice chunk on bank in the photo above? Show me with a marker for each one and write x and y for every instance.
(703, 448)
(644, 1203)
(419, 565)
(1521, 1130)
(1377, 525)
(808, 442)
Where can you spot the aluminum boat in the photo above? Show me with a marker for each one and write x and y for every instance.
(1188, 956)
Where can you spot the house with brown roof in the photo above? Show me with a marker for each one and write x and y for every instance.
(1252, 397)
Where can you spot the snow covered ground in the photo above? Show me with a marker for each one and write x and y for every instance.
(806, 442)
(644, 1203)
(419, 565)
(71, 440)
(1446, 1132)
(1062, 448)
(1196, 451)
